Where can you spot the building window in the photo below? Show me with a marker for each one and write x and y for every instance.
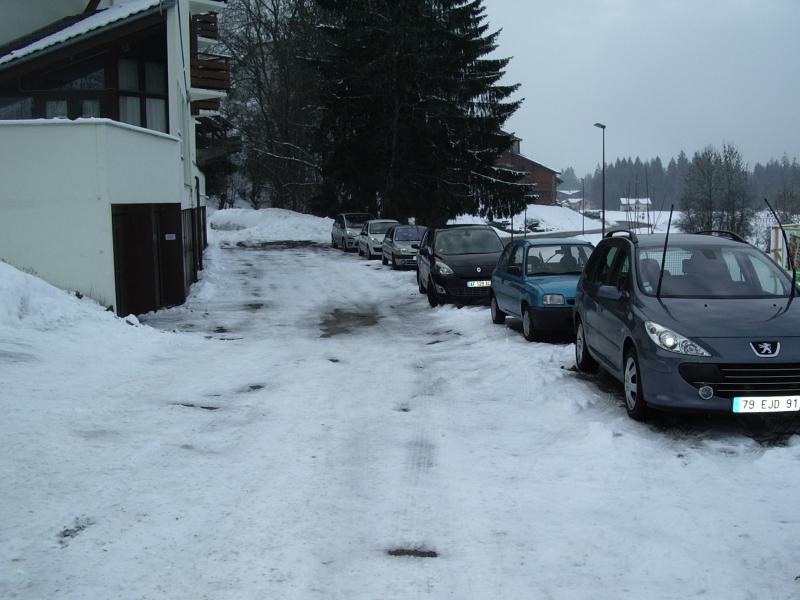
(55, 109)
(15, 107)
(142, 96)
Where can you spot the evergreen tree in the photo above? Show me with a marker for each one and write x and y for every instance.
(413, 110)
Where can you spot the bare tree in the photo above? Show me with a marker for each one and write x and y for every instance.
(274, 100)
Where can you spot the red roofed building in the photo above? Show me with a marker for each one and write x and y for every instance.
(543, 180)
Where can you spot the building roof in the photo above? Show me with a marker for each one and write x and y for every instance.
(70, 29)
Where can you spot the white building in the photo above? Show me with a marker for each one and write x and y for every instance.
(99, 100)
(635, 204)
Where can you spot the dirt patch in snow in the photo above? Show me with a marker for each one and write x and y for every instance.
(203, 406)
(341, 321)
(80, 524)
(413, 552)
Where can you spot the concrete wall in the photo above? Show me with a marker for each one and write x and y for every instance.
(59, 180)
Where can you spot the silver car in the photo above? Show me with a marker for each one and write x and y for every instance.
(345, 230)
(371, 237)
(401, 244)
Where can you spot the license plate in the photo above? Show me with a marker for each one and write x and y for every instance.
(766, 404)
(482, 283)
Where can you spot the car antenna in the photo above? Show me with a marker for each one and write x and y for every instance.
(788, 251)
(664, 254)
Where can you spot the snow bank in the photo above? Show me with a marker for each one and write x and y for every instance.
(248, 227)
(27, 301)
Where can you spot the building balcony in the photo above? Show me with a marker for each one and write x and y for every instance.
(205, 6)
(211, 77)
(205, 26)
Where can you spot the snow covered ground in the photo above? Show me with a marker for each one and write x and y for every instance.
(306, 412)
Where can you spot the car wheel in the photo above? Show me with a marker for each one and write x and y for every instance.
(498, 316)
(527, 323)
(583, 360)
(384, 259)
(419, 284)
(634, 396)
(394, 262)
(433, 297)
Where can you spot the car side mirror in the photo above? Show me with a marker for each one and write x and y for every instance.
(609, 292)
(515, 269)
(415, 246)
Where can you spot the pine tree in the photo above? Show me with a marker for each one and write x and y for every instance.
(413, 110)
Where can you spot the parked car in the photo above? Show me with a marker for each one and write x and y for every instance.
(401, 244)
(722, 334)
(345, 230)
(455, 263)
(535, 281)
(370, 240)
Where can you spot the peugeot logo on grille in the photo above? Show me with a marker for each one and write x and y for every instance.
(766, 349)
(479, 269)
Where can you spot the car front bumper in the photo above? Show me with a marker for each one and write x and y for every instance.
(557, 319)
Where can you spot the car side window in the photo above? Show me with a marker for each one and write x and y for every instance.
(389, 234)
(603, 272)
(503, 262)
(516, 259)
(621, 273)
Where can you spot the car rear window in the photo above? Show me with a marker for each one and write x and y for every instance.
(709, 272)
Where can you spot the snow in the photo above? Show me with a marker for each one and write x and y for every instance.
(306, 411)
(95, 21)
(246, 227)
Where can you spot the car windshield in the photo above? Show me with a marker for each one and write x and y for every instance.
(356, 221)
(709, 272)
(468, 241)
(381, 227)
(558, 259)
(408, 234)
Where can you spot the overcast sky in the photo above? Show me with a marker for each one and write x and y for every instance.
(663, 75)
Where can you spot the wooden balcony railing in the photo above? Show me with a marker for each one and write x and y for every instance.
(205, 26)
(211, 72)
(199, 105)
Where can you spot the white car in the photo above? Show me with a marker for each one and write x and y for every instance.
(370, 240)
(346, 227)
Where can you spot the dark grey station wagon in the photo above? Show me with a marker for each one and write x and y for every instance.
(721, 334)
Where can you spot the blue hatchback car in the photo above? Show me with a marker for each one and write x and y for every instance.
(535, 281)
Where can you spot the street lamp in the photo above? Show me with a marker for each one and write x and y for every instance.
(583, 207)
(603, 127)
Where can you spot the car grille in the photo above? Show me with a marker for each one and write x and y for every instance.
(459, 289)
(729, 380)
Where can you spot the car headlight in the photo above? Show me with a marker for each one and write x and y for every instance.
(553, 299)
(674, 342)
(375, 240)
(442, 269)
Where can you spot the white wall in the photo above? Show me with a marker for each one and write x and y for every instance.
(59, 180)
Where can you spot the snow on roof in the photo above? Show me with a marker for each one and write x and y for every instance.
(634, 201)
(97, 20)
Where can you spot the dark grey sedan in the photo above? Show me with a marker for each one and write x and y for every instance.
(722, 334)
(401, 244)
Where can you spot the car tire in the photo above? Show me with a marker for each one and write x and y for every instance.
(528, 330)
(583, 360)
(394, 262)
(632, 382)
(384, 260)
(498, 316)
(419, 283)
(433, 297)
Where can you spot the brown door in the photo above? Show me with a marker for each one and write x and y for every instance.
(148, 265)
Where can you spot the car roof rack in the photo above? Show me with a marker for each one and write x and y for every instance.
(631, 234)
(723, 234)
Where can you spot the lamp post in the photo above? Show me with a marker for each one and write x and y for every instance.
(603, 127)
(583, 207)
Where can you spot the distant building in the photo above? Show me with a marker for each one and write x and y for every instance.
(102, 191)
(543, 180)
(635, 204)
